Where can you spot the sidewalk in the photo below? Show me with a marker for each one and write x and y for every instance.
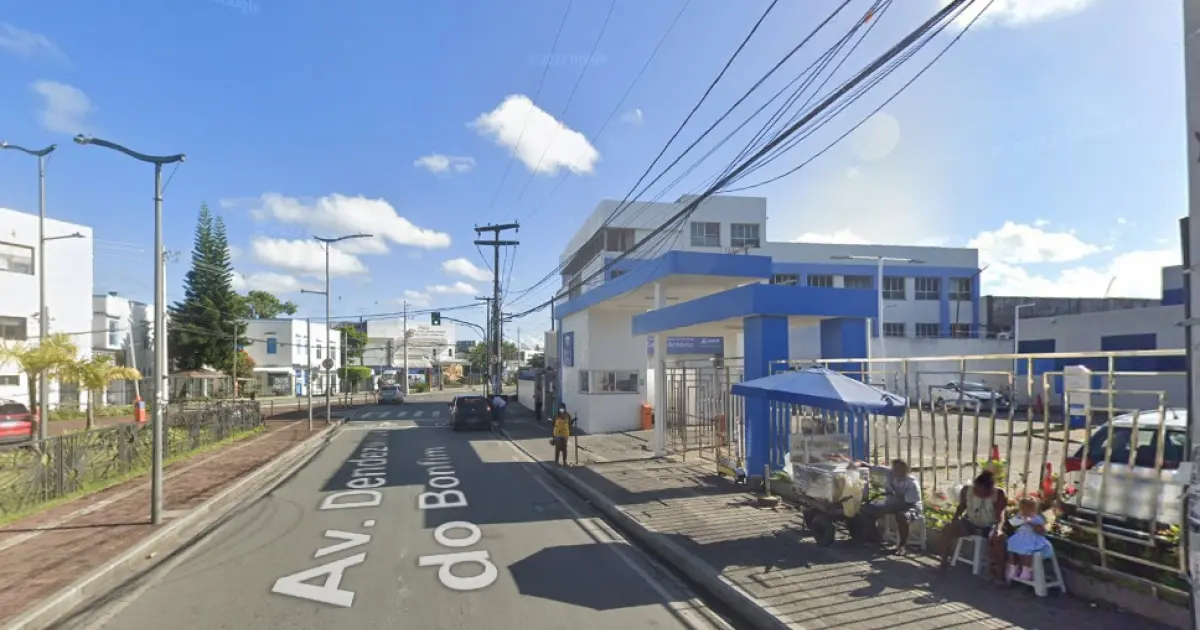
(50, 551)
(710, 530)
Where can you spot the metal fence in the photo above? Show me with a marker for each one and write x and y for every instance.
(1111, 490)
(65, 465)
(702, 417)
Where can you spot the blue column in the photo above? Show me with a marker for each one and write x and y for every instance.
(766, 341)
(847, 338)
(944, 307)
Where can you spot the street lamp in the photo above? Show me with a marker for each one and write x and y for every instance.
(879, 290)
(43, 325)
(1017, 331)
(328, 332)
(160, 318)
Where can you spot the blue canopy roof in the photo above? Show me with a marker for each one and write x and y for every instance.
(824, 389)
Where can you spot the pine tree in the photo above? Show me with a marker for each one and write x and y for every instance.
(201, 324)
(223, 298)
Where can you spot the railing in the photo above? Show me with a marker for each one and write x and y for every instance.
(1116, 503)
(71, 464)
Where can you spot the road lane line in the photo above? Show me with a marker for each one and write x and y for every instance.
(594, 527)
(418, 414)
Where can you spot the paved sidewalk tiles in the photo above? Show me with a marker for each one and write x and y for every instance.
(49, 551)
(765, 552)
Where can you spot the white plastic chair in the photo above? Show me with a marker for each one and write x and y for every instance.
(978, 553)
(1041, 585)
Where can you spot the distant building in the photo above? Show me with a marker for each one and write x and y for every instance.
(283, 354)
(997, 312)
(124, 329)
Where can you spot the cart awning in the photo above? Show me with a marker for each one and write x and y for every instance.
(824, 389)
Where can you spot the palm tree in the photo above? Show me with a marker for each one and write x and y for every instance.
(33, 360)
(95, 375)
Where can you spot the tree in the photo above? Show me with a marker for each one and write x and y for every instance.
(538, 361)
(355, 342)
(33, 360)
(245, 366)
(263, 305)
(355, 375)
(204, 322)
(95, 375)
(479, 353)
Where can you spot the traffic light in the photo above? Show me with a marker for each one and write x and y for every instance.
(435, 319)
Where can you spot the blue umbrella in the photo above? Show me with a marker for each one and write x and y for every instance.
(824, 389)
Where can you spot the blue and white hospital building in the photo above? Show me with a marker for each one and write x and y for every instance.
(717, 286)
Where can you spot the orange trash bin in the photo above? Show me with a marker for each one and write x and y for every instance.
(647, 417)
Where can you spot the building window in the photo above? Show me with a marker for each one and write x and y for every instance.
(583, 381)
(706, 234)
(820, 280)
(114, 332)
(607, 382)
(12, 380)
(272, 345)
(616, 273)
(960, 289)
(318, 349)
(960, 331)
(618, 239)
(858, 282)
(893, 288)
(16, 258)
(742, 235)
(893, 329)
(927, 288)
(927, 330)
(790, 279)
(13, 328)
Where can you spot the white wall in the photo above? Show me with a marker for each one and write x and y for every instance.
(68, 290)
(134, 323)
(293, 349)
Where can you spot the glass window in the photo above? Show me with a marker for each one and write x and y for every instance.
(960, 289)
(10, 379)
(789, 279)
(858, 282)
(13, 328)
(584, 382)
(706, 234)
(611, 382)
(618, 239)
(820, 280)
(272, 345)
(743, 235)
(893, 329)
(16, 258)
(114, 332)
(893, 288)
(927, 288)
(318, 348)
(960, 331)
(927, 330)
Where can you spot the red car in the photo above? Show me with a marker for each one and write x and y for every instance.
(16, 423)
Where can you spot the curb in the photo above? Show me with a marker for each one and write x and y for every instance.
(751, 609)
(172, 537)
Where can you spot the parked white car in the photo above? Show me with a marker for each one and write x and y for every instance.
(967, 396)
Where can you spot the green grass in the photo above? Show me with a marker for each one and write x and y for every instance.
(103, 482)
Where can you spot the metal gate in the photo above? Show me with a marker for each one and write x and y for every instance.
(702, 417)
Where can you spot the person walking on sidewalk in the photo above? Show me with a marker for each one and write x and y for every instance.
(537, 404)
(562, 431)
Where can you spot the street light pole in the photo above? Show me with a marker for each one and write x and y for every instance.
(43, 319)
(328, 242)
(160, 318)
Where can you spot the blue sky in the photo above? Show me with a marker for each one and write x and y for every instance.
(1052, 136)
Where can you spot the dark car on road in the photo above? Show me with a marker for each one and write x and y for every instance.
(391, 395)
(470, 412)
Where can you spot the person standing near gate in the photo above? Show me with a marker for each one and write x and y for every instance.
(537, 403)
(562, 431)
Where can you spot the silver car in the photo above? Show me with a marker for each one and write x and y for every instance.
(391, 396)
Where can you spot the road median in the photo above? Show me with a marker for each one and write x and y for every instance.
(107, 538)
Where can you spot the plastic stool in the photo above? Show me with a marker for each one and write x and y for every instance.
(916, 531)
(1041, 586)
(976, 559)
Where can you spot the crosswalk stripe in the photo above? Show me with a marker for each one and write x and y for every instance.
(417, 414)
(436, 414)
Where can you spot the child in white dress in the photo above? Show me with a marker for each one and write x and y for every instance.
(1030, 538)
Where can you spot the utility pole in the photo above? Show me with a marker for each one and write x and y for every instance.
(495, 243)
(1191, 70)
(487, 340)
(404, 361)
(308, 370)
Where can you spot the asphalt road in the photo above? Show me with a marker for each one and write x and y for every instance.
(345, 543)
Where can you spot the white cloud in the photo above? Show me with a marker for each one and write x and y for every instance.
(423, 298)
(841, 236)
(64, 108)
(336, 215)
(632, 117)
(541, 142)
(305, 257)
(27, 43)
(1018, 12)
(265, 281)
(466, 268)
(438, 163)
(234, 252)
(1018, 244)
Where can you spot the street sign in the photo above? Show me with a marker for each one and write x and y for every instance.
(327, 364)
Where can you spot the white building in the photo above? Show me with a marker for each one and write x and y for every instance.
(428, 345)
(124, 328)
(283, 354)
(68, 293)
(928, 293)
